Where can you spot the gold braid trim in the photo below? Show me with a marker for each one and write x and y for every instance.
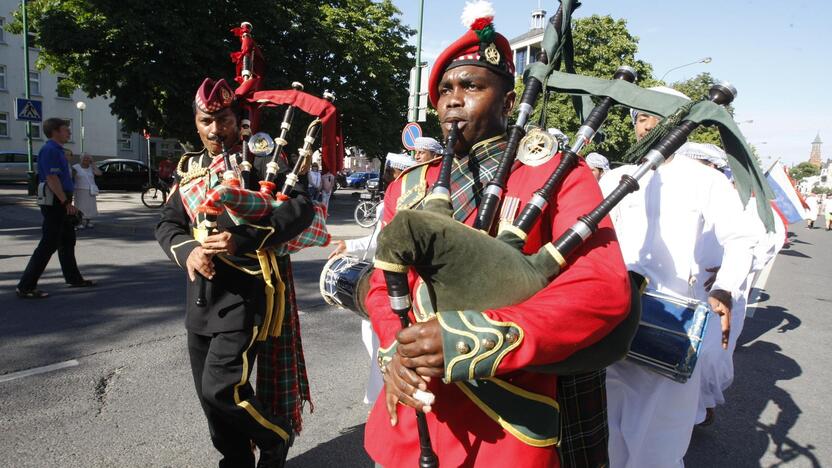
(188, 175)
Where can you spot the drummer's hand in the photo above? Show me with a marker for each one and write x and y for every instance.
(199, 262)
(400, 383)
(420, 346)
(721, 303)
(340, 247)
(219, 243)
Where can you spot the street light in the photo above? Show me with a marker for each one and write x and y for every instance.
(702, 60)
(81, 105)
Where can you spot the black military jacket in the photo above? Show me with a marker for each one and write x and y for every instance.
(237, 293)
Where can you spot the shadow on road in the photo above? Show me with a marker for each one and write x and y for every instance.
(344, 451)
(744, 428)
(82, 321)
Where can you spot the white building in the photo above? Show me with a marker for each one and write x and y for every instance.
(526, 47)
(103, 137)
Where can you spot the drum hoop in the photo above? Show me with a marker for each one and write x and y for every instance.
(322, 281)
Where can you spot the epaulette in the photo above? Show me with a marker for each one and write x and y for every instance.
(414, 184)
(187, 174)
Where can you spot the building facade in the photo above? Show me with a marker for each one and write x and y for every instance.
(103, 134)
(526, 47)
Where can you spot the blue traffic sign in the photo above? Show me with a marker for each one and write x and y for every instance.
(29, 110)
(411, 132)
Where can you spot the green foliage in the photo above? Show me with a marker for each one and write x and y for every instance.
(697, 88)
(821, 190)
(602, 44)
(803, 170)
(151, 55)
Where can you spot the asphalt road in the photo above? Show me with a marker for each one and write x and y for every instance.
(124, 396)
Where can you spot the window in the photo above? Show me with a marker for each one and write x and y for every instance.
(33, 37)
(2, 32)
(64, 89)
(2, 77)
(520, 62)
(36, 135)
(125, 138)
(4, 124)
(34, 83)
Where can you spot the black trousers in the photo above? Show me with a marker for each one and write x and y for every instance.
(57, 234)
(221, 365)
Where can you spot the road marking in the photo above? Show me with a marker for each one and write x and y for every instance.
(38, 370)
(21, 229)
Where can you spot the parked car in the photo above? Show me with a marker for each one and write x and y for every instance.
(123, 174)
(14, 166)
(372, 184)
(359, 179)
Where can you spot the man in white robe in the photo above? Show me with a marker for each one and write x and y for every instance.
(650, 416)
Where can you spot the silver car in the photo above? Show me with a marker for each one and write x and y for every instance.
(15, 165)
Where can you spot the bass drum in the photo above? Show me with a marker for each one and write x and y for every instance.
(345, 282)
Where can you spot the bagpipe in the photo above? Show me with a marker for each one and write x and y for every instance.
(442, 251)
(236, 195)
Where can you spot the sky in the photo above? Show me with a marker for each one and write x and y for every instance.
(777, 54)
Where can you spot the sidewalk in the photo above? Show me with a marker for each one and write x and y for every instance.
(122, 213)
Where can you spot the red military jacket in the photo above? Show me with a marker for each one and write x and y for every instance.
(575, 310)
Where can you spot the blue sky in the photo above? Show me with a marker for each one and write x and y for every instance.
(777, 54)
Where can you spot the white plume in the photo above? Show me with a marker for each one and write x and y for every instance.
(475, 10)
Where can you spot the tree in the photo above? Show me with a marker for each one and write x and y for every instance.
(602, 44)
(149, 56)
(697, 88)
(803, 170)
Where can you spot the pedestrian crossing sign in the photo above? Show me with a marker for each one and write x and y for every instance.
(29, 110)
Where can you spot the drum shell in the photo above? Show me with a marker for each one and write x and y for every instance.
(345, 282)
(670, 334)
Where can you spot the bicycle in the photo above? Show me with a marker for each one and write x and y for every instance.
(154, 195)
(365, 212)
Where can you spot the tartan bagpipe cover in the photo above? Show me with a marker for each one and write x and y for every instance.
(247, 206)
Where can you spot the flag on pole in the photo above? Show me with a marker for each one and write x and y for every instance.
(146, 134)
(786, 196)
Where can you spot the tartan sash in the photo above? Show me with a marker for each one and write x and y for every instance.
(194, 191)
(316, 235)
(470, 175)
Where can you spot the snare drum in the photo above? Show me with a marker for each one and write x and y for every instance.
(345, 282)
(670, 334)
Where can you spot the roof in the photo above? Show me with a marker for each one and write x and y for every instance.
(817, 139)
(527, 35)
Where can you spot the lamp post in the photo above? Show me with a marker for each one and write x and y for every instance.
(81, 105)
(702, 60)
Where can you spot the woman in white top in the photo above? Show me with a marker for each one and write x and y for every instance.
(85, 189)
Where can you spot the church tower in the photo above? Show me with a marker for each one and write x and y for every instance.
(814, 156)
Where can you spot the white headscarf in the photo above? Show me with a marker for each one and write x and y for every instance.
(400, 161)
(597, 161)
(704, 151)
(427, 144)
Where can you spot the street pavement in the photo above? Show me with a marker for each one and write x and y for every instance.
(120, 392)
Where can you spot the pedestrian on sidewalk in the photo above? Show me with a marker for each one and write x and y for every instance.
(55, 199)
(827, 211)
(327, 187)
(85, 189)
(314, 177)
(813, 210)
